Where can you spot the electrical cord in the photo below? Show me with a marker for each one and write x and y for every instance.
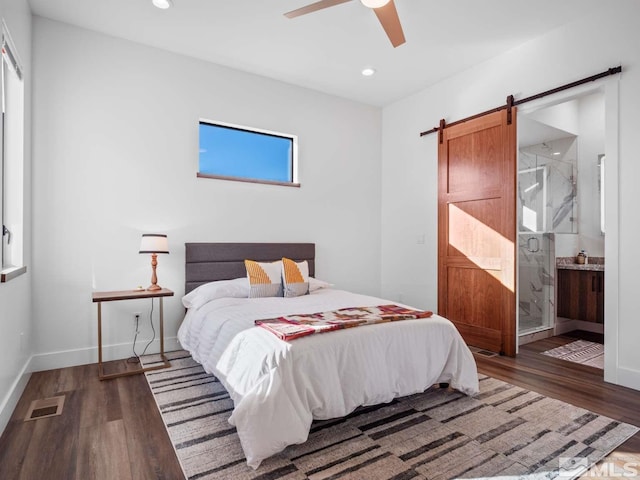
(135, 358)
(152, 329)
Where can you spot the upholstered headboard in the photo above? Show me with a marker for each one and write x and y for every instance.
(209, 262)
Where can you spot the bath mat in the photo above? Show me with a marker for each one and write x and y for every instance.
(580, 351)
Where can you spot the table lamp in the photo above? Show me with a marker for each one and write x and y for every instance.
(154, 243)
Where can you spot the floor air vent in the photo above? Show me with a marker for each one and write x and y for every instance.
(46, 407)
(484, 353)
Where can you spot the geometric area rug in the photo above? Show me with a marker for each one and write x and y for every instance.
(580, 351)
(504, 432)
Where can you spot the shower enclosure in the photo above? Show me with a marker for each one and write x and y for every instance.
(535, 276)
(546, 204)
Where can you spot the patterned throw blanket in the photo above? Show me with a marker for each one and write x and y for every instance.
(294, 326)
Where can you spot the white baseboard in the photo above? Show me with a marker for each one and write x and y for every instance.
(564, 325)
(525, 338)
(10, 400)
(83, 356)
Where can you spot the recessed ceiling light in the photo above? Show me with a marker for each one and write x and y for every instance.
(163, 4)
(367, 72)
(556, 153)
(374, 3)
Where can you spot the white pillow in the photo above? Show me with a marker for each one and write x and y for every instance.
(236, 288)
(315, 284)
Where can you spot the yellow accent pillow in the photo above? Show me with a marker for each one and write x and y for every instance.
(295, 278)
(264, 278)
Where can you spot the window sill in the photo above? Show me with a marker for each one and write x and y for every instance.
(11, 273)
(248, 180)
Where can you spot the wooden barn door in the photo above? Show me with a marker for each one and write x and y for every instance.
(477, 230)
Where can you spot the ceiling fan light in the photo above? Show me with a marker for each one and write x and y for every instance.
(374, 3)
(163, 4)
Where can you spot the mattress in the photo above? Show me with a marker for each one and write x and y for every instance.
(279, 388)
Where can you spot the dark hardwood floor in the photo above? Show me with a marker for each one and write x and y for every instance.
(112, 429)
(108, 430)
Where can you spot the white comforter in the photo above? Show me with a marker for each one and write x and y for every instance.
(278, 388)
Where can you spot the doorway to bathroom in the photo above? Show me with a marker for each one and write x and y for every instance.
(560, 213)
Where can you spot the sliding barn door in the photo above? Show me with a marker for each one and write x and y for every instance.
(477, 230)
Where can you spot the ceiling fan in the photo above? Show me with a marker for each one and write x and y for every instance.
(385, 10)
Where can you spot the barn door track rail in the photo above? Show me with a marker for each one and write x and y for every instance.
(511, 102)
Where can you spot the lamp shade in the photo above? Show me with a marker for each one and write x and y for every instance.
(154, 243)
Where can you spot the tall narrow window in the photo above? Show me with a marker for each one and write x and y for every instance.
(231, 152)
(12, 158)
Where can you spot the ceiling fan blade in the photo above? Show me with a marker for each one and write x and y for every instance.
(388, 16)
(314, 7)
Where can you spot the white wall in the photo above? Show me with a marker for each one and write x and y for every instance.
(15, 295)
(409, 166)
(115, 155)
(564, 116)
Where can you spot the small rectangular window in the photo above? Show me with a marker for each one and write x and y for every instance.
(232, 152)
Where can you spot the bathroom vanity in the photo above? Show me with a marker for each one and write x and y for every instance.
(580, 289)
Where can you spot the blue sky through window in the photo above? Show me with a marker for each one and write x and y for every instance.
(234, 152)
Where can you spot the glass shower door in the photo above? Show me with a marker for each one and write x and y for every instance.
(535, 282)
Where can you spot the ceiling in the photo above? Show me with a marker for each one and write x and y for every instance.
(326, 50)
(532, 132)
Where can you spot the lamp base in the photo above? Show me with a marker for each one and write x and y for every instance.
(154, 287)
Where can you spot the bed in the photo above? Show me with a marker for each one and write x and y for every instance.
(279, 388)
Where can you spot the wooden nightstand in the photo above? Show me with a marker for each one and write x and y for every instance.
(99, 297)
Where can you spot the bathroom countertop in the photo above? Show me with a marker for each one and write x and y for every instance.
(595, 264)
